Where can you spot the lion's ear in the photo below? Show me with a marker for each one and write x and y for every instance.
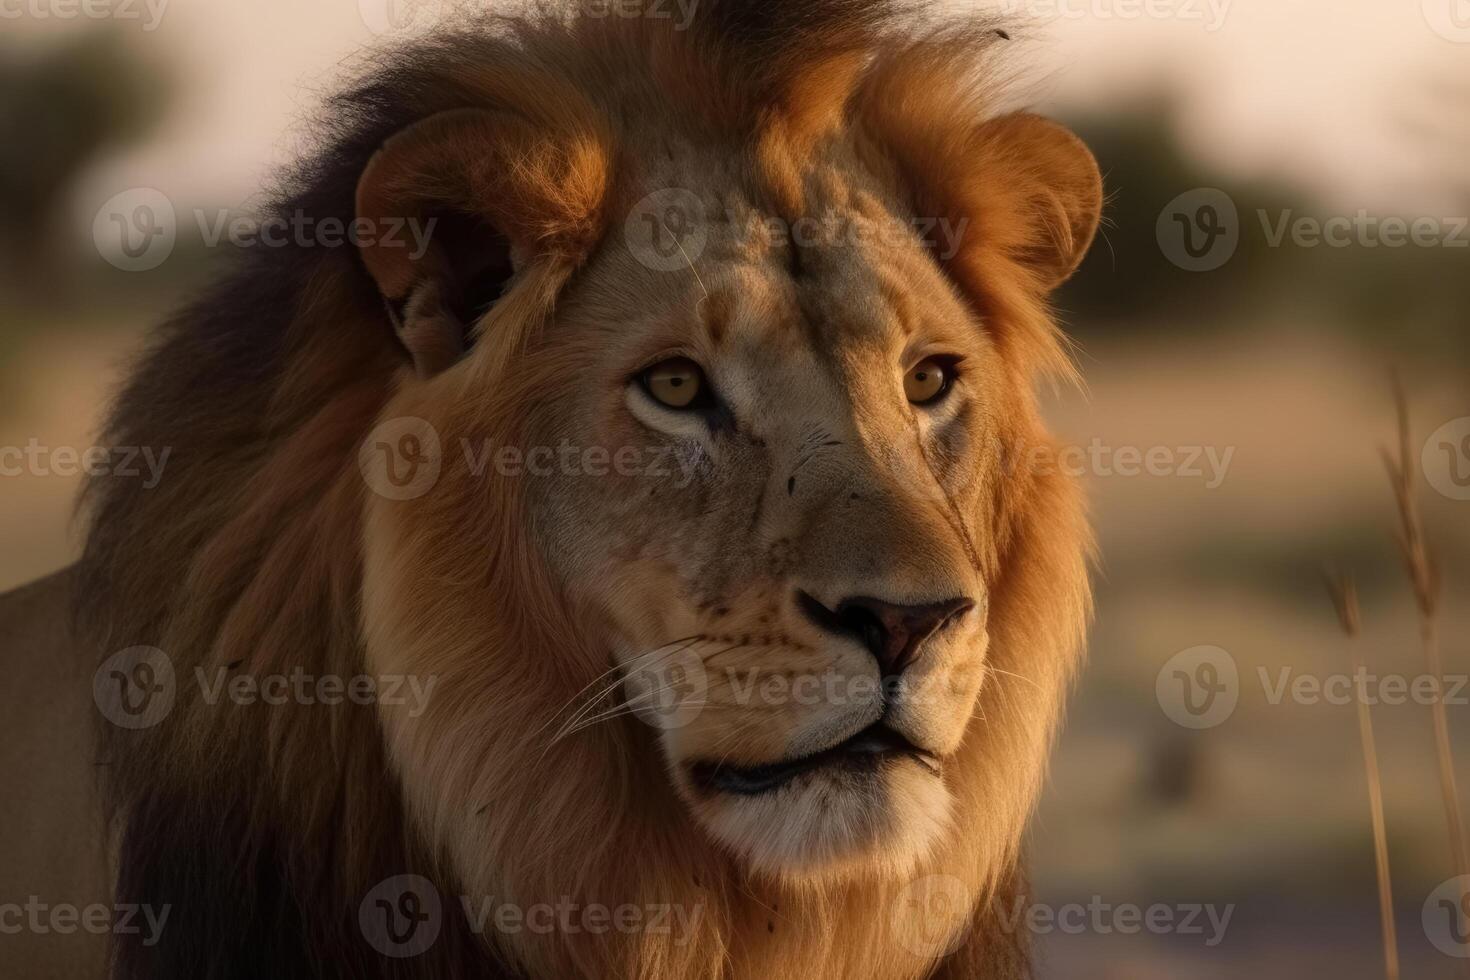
(1035, 193)
(453, 211)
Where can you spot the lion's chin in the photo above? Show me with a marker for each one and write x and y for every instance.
(879, 818)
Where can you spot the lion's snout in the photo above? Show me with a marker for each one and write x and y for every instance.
(895, 633)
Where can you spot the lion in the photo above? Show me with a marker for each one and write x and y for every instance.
(625, 514)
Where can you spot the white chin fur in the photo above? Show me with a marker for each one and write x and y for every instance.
(834, 825)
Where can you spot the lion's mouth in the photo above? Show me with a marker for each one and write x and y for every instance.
(861, 753)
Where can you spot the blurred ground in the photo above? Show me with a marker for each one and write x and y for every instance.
(1269, 810)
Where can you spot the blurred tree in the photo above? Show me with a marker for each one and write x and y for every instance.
(61, 107)
(1403, 301)
(1128, 281)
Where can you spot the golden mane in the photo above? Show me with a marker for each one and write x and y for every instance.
(264, 827)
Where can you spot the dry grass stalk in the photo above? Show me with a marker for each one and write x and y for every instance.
(1344, 594)
(1424, 575)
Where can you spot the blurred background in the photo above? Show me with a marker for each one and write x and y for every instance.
(1289, 193)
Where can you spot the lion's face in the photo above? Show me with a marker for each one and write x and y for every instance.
(783, 548)
(738, 560)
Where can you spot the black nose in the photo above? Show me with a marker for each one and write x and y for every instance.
(894, 634)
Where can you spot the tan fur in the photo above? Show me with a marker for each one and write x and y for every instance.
(526, 599)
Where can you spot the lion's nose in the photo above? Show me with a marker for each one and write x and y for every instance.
(893, 633)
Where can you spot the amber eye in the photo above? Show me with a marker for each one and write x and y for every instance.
(928, 381)
(677, 382)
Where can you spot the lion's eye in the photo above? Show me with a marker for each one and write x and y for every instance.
(928, 381)
(677, 382)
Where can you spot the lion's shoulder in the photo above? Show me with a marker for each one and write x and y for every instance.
(50, 803)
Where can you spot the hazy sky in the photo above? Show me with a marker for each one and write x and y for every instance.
(1326, 90)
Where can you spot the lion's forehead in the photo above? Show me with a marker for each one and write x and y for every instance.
(847, 267)
(850, 286)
